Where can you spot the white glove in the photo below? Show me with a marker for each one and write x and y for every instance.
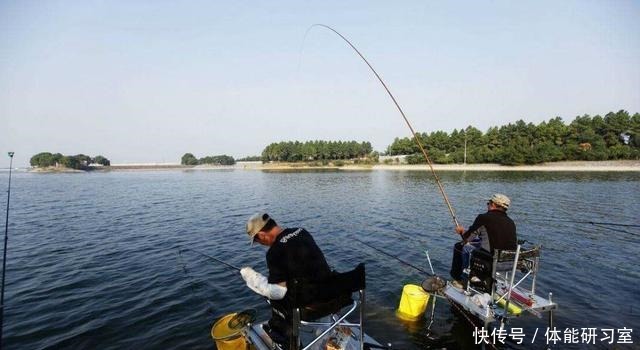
(259, 284)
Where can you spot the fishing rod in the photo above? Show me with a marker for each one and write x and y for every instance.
(392, 256)
(415, 136)
(184, 268)
(604, 225)
(212, 258)
(610, 224)
(595, 223)
(4, 258)
(614, 229)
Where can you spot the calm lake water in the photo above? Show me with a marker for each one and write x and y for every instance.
(94, 261)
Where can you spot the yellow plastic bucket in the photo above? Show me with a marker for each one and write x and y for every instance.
(413, 302)
(227, 338)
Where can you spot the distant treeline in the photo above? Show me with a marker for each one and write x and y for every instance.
(190, 159)
(614, 136)
(316, 150)
(80, 161)
(250, 159)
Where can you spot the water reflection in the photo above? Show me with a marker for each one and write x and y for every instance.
(95, 255)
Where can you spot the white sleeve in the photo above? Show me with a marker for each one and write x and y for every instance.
(259, 284)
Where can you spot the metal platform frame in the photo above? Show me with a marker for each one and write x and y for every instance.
(505, 265)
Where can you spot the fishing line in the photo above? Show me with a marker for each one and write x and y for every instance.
(402, 235)
(392, 256)
(6, 238)
(186, 271)
(424, 152)
(192, 289)
(212, 258)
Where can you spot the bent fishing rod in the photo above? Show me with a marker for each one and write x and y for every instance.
(4, 258)
(415, 136)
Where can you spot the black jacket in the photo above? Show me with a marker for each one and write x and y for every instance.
(495, 229)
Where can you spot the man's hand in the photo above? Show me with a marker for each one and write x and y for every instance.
(259, 284)
(459, 229)
(246, 272)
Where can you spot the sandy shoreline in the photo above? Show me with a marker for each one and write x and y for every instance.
(583, 166)
(556, 166)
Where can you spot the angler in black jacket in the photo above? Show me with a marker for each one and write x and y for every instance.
(293, 255)
(491, 230)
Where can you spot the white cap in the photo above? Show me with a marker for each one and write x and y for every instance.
(255, 223)
(500, 200)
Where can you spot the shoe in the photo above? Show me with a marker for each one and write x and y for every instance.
(457, 284)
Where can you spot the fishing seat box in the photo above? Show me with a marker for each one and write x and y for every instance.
(327, 296)
(481, 266)
(314, 299)
(320, 298)
(481, 263)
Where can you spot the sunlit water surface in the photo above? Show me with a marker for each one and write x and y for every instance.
(94, 259)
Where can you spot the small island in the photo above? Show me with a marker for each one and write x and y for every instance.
(190, 159)
(57, 162)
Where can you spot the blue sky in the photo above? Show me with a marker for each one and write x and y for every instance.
(147, 81)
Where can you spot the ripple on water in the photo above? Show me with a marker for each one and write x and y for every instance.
(95, 260)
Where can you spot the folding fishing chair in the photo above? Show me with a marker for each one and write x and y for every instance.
(313, 301)
(488, 268)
